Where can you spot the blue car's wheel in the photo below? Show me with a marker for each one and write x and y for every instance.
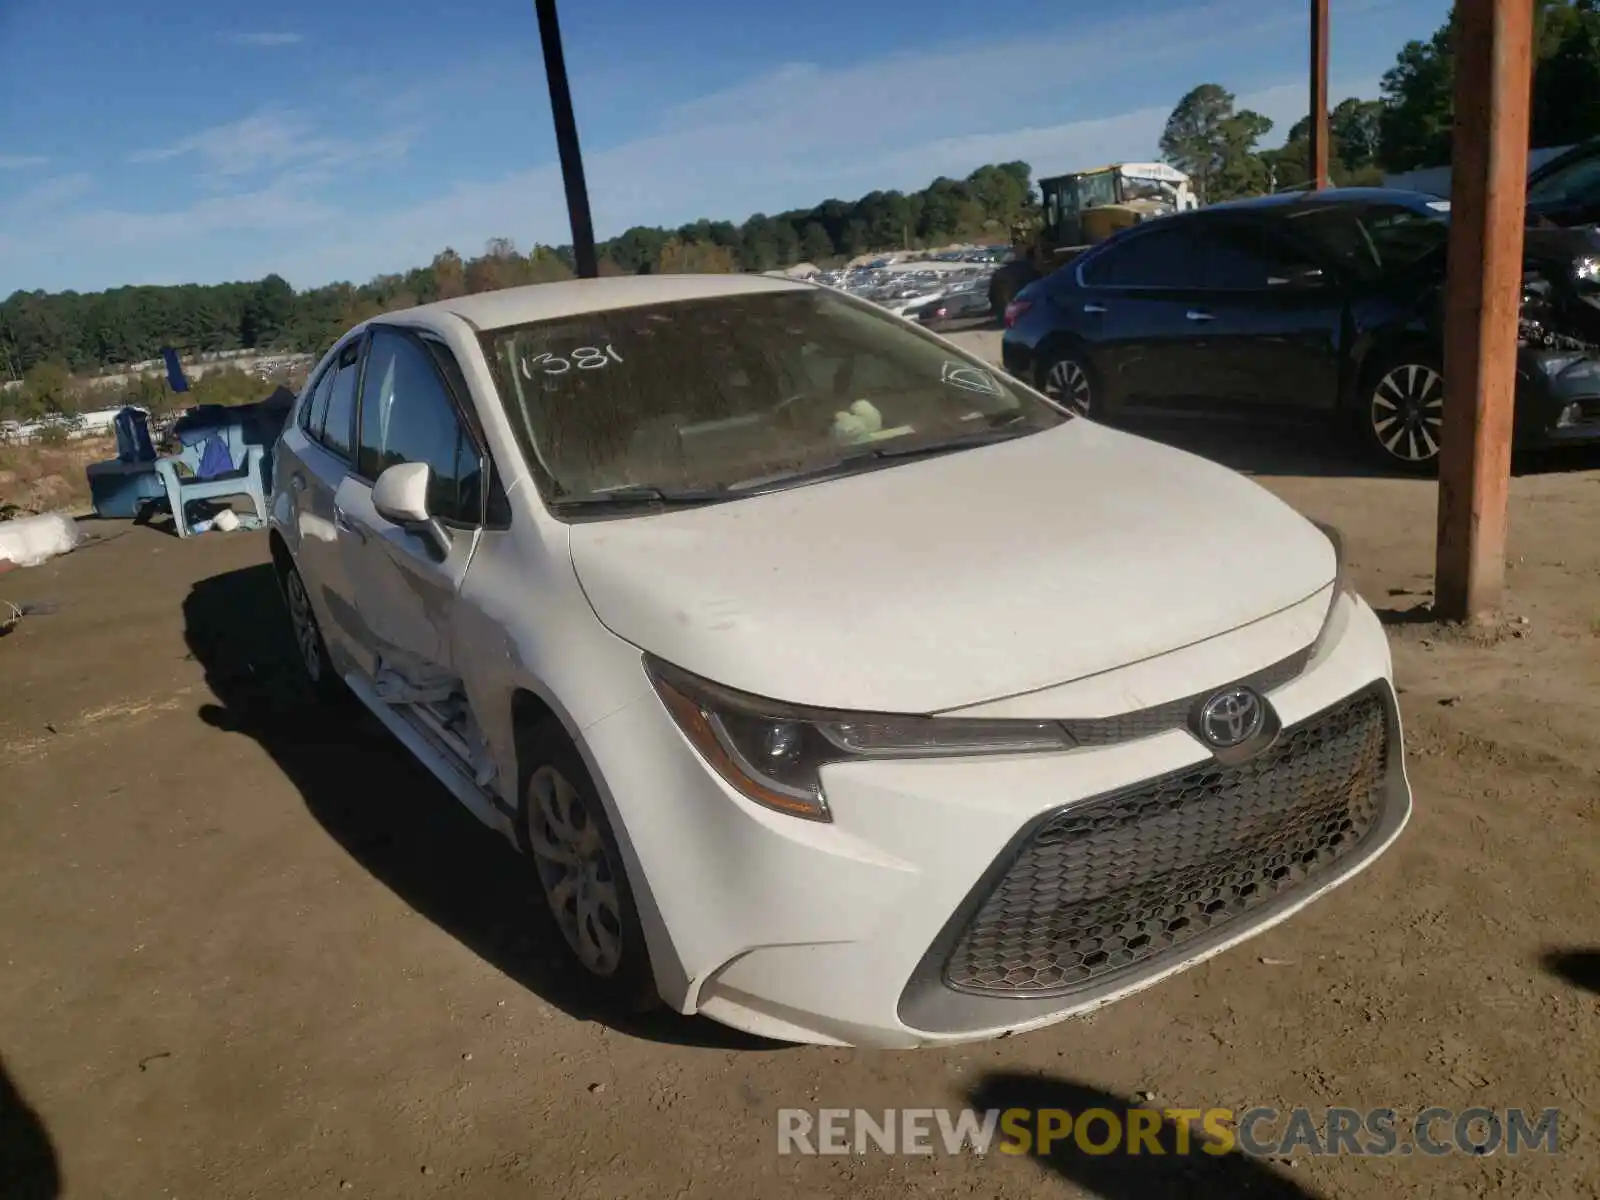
(1067, 380)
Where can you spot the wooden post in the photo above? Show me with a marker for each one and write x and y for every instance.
(1488, 192)
(555, 72)
(1318, 165)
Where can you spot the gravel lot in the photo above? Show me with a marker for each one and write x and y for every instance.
(249, 951)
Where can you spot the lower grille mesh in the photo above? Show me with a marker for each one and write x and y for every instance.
(1112, 883)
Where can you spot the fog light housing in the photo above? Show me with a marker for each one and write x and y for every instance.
(1571, 414)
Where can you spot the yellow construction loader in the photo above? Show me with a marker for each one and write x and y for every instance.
(1084, 208)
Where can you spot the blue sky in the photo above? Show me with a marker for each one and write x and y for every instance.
(164, 141)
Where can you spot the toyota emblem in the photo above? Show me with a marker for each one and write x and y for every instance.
(1232, 718)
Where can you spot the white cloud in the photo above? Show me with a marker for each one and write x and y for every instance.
(265, 41)
(46, 196)
(16, 162)
(272, 140)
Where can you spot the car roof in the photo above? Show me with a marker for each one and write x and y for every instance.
(1575, 153)
(1283, 202)
(575, 297)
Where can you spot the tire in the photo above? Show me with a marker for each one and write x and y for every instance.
(1068, 379)
(1005, 283)
(316, 667)
(563, 829)
(1399, 408)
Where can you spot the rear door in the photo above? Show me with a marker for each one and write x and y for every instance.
(404, 589)
(1140, 298)
(1271, 324)
(320, 455)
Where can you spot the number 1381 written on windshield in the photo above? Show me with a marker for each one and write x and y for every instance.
(582, 358)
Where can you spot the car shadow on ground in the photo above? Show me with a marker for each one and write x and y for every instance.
(29, 1169)
(1580, 968)
(1117, 1174)
(1315, 450)
(385, 809)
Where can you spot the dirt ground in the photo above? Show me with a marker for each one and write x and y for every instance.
(249, 951)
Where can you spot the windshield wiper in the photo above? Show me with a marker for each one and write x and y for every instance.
(644, 497)
(865, 457)
(961, 441)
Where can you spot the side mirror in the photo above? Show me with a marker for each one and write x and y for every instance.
(401, 498)
(1298, 277)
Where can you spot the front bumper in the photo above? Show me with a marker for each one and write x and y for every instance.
(841, 933)
(1558, 398)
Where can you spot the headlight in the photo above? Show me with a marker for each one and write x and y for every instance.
(773, 753)
(1586, 268)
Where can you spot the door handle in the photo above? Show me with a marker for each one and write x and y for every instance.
(1194, 314)
(1094, 308)
(344, 524)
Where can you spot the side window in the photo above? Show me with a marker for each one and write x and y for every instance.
(1165, 258)
(497, 507)
(339, 426)
(316, 410)
(1241, 258)
(407, 416)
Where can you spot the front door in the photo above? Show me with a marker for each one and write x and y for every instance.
(405, 588)
(1272, 326)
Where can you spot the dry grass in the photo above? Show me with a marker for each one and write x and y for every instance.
(36, 478)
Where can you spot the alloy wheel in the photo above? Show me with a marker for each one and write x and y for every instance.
(1407, 412)
(1067, 383)
(575, 871)
(306, 636)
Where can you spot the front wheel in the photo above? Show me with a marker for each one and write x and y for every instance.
(1400, 409)
(562, 827)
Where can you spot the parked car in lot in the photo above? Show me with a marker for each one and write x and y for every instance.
(964, 301)
(838, 688)
(1565, 192)
(1323, 303)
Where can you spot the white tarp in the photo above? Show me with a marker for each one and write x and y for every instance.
(29, 541)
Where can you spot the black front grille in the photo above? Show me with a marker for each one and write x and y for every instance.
(1159, 718)
(1112, 883)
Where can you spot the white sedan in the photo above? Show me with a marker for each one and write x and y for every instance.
(840, 688)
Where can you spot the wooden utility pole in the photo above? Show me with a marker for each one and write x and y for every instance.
(555, 73)
(1319, 94)
(1488, 193)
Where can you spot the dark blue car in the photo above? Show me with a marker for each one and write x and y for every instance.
(1312, 304)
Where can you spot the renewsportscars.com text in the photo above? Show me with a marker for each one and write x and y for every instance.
(1257, 1132)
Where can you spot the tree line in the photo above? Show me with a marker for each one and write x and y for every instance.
(1409, 127)
(89, 331)
(1207, 135)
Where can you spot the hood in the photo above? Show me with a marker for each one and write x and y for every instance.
(946, 582)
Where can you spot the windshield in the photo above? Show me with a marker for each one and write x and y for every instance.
(1370, 241)
(739, 393)
(1576, 182)
(1097, 189)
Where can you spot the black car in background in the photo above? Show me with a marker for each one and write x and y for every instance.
(1309, 304)
(1565, 192)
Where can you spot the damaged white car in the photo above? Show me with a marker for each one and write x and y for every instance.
(839, 688)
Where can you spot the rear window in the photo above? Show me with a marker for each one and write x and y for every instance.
(1162, 258)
